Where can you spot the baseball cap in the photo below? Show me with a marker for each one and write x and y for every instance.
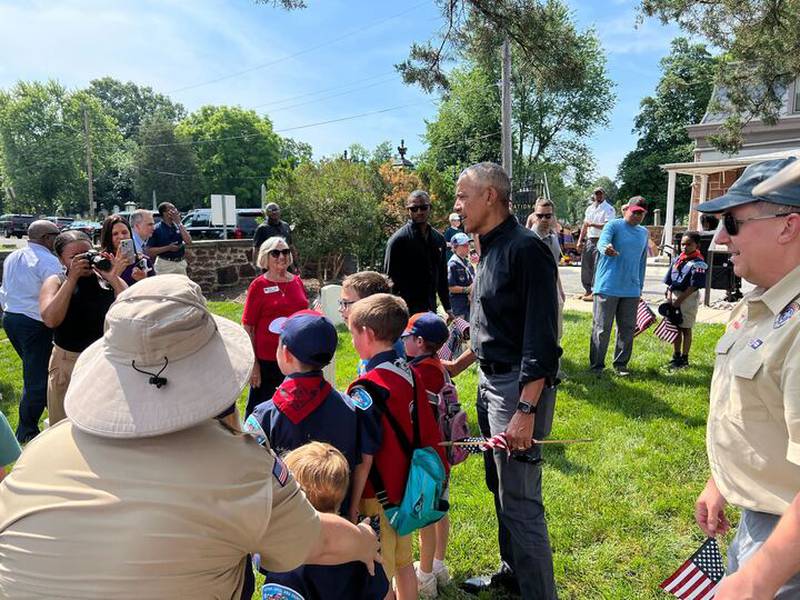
(599, 189)
(746, 189)
(429, 326)
(459, 239)
(636, 204)
(308, 335)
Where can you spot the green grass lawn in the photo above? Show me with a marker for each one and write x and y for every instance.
(619, 509)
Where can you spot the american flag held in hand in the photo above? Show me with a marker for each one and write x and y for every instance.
(644, 318)
(476, 445)
(698, 578)
(452, 347)
(666, 331)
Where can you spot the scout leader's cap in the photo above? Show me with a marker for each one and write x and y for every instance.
(459, 239)
(429, 326)
(164, 364)
(745, 189)
(788, 175)
(308, 335)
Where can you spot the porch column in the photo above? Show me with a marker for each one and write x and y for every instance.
(694, 216)
(669, 220)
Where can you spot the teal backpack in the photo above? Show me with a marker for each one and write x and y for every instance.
(422, 502)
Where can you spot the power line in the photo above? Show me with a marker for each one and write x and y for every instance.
(299, 53)
(328, 97)
(322, 91)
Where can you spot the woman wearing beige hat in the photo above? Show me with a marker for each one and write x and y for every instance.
(74, 306)
(142, 493)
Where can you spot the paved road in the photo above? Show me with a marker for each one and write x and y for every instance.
(6, 242)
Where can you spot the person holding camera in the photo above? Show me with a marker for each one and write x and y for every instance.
(74, 306)
(115, 236)
(168, 242)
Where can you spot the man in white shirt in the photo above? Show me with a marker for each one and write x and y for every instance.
(142, 225)
(597, 214)
(24, 272)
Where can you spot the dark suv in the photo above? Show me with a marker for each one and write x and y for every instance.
(198, 223)
(15, 224)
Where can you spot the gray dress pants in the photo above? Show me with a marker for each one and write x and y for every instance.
(516, 484)
(608, 309)
(588, 264)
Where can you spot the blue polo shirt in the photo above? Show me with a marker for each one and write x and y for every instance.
(690, 273)
(164, 235)
(350, 581)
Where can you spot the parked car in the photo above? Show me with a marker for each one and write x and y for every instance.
(90, 228)
(198, 223)
(61, 222)
(15, 225)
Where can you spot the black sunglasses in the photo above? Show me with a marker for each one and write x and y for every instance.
(419, 207)
(277, 253)
(733, 225)
(544, 216)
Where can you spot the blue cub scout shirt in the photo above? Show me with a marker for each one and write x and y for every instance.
(692, 273)
(462, 275)
(350, 581)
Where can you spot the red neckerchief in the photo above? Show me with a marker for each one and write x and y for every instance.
(298, 397)
(683, 258)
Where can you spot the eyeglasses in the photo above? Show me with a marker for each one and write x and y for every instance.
(277, 253)
(733, 225)
(344, 304)
(544, 215)
(418, 207)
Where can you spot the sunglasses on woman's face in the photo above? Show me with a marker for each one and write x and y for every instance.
(419, 207)
(276, 253)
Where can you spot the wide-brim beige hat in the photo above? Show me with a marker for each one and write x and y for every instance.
(164, 364)
(788, 175)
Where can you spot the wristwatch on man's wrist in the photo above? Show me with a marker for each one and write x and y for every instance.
(526, 407)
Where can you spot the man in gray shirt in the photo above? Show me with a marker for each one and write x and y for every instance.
(542, 221)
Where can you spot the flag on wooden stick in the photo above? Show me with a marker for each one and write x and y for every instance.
(699, 577)
(644, 318)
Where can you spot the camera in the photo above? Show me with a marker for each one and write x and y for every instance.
(97, 260)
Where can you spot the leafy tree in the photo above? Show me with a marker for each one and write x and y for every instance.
(165, 163)
(335, 208)
(295, 152)
(399, 183)
(761, 53)
(538, 29)
(681, 98)
(43, 150)
(131, 104)
(235, 148)
(382, 152)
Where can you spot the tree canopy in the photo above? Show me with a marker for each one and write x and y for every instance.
(681, 97)
(761, 53)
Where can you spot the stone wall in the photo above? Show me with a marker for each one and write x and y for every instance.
(220, 264)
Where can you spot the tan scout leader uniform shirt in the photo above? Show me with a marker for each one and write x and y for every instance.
(753, 435)
(166, 517)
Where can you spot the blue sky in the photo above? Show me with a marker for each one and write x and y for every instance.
(332, 60)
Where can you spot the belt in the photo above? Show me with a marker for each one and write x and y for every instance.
(171, 259)
(496, 368)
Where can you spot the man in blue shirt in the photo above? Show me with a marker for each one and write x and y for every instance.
(24, 272)
(618, 285)
(168, 242)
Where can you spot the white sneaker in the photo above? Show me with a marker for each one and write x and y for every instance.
(442, 576)
(426, 583)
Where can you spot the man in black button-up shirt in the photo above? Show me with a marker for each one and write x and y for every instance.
(513, 328)
(416, 260)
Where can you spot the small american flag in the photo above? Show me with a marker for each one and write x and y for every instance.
(460, 325)
(476, 445)
(452, 347)
(644, 317)
(699, 577)
(666, 331)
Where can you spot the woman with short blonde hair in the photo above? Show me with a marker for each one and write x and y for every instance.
(275, 293)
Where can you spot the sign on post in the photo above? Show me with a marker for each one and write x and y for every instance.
(223, 212)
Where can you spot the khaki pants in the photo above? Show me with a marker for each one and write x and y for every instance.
(164, 266)
(59, 374)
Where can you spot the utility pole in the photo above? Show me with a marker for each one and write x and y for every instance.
(88, 140)
(155, 206)
(505, 136)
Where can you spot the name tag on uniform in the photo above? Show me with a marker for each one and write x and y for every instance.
(272, 289)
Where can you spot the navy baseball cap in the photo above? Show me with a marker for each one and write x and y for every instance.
(742, 191)
(308, 335)
(429, 326)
